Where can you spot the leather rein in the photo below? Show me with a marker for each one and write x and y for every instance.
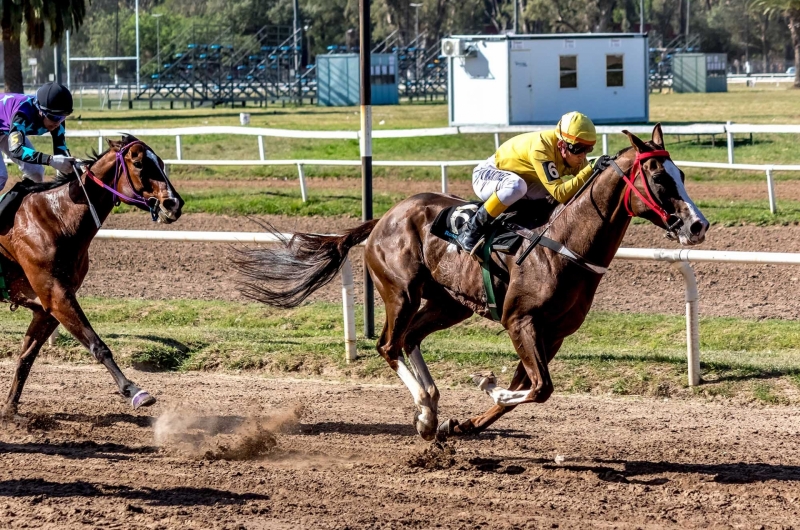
(646, 198)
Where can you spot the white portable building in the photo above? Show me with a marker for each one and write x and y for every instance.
(535, 79)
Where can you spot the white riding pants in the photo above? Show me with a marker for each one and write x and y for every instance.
(35, 172)
(510, 187)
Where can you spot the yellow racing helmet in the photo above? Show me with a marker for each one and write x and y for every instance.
(577, 130)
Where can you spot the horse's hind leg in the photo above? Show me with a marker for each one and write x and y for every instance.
(66, 309)
(434, 316)
(40, 328)
(402, 298)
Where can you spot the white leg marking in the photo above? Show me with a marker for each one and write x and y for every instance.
(424, 376)
(417, 392)
(500, 395)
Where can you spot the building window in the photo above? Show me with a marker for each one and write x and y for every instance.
(568, 66)
(614, 76)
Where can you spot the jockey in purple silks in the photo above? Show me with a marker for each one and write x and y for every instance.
(22, 116)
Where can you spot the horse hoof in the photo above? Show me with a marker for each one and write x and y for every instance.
(142, 399)
(425, 428)
(482, 379)
(447, 427)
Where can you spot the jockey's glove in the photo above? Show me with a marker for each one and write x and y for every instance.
(62, 163)
(602, 162)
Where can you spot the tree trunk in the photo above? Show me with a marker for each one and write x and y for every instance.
(794, 28)
(13, 63)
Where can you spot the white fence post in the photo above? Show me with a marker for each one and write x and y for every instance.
(178, 153)
(301, 174)
(496, 141)
(261, 147)
(771, 191)
(605, 144)
(692, 322)
(100, 144)
(51, 340)
(729, 135)
(444, 178)
(348, 305)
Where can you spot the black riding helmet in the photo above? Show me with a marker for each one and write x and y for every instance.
(54, 98)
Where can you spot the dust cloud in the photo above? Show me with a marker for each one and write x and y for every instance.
(187, 431)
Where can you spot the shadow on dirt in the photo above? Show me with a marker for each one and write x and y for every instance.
(180, 496)
(738, 473)
(80, 450)
(105, 420)
(365, 429)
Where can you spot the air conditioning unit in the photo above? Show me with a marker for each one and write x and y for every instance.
(454, 48)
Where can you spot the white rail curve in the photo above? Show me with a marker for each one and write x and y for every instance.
(681, 258)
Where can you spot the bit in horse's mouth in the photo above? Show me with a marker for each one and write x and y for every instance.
(165, 217)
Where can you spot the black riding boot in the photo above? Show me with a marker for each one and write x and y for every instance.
(473, 231)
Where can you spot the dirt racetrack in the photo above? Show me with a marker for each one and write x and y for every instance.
(222, 451)
(244, 451)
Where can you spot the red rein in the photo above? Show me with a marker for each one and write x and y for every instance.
(648, 200)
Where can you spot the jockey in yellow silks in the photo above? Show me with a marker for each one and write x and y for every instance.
(534, 166)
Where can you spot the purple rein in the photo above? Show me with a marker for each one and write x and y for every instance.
(120, 167)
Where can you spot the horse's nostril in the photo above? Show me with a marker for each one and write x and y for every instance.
(696, 228)
(169, 204)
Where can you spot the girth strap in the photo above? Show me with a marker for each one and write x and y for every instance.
(495, 309)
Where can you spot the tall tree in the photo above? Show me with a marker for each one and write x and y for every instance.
(39, 16)
(791, 12)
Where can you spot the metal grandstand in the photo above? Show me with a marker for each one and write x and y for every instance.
(211, 65)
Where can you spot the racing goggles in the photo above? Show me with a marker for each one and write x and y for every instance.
(53, 117)
(58, 118)
(579, 148)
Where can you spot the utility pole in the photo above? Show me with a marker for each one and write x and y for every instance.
(688, 15)
(366, 153)
(138, 86)
(416, 46)
(157, 16)
(296, 51)
(57, 63)
(641, 16)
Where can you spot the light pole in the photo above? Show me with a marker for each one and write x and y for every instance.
(416, 41)
(158, 39)
(641, 16)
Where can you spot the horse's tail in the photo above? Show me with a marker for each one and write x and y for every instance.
(285, 276)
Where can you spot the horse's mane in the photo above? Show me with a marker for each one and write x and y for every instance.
(61, 179)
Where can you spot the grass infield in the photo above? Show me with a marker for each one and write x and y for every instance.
(612, 353)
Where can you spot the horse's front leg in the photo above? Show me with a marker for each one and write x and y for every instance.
(64, 306)
(531, 381)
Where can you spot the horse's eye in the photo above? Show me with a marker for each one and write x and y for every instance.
(138, 164)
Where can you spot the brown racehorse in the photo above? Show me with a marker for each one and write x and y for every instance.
(547, 298)
(46, 250)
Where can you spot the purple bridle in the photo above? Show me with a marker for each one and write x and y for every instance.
(120, 168)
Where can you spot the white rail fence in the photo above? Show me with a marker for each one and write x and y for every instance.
(768, 169)
(680, 258)
(713, 129)
(728, 129)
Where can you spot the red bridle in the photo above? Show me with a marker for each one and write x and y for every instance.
(649, 201)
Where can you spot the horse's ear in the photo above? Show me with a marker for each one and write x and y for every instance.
(114, 144)
(636, 142)
(658, 136)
